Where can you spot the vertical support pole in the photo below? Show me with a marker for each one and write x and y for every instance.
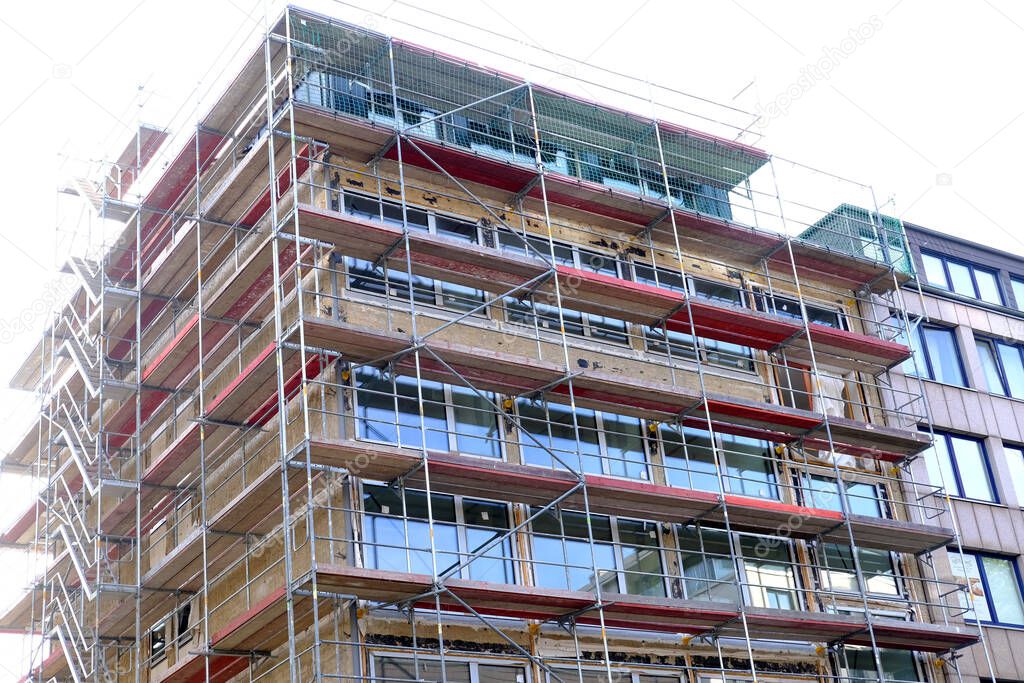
(414, 331)
(820, 397)
(715, 451)
(556, 280)
(293, 663)
(301, 310)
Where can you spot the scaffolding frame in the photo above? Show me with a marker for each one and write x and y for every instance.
(192, 429)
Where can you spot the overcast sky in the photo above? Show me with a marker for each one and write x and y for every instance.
(916, 98)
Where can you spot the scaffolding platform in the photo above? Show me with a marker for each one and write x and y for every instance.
(533, 485)
(490, 270)
(508, 373)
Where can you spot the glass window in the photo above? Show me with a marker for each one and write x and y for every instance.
(993, 583)
(709, 568)
(936, 354)
(712, 351)
(934, 271)
(456, 418)
(1013, 368)
(608, 443)
(960, 463)
(790, 308)
(689, 463)
(823, 492)
(1018, 291)
(689, 458)
(943, 355)
(990, 366)
(1015, 465)
(396, 533)
(390, 669)
(768, 563)
(627, 553)
(988, 286)
(897, 665)
(476, 422)
(1003, 365)
(749, 470)
(709, 571)
(962, 277)
(839, 573)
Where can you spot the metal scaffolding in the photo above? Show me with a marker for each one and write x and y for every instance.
(404, 368)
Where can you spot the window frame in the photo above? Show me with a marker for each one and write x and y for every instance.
(971, 267)
(806, 492)
(472, 662)
(721, 453)
(437, 286)
(768, 302)
(588, 322)
(736, 553)
(1016, 480)
(917, 337)
(1017, 282)
(994, 346)
(825, 572)
(706, 349)
(621, 574)
(458, 501)
(158, 647)
(983, 575)
(451, 430)
(602, 441)
(955, 466)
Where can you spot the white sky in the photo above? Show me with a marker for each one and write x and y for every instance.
(922, 106)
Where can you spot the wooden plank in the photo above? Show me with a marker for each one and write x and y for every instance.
(497, 272)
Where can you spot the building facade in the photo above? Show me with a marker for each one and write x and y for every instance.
(405, 368)
(968, 327)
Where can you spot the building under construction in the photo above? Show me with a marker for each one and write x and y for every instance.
(407, 369)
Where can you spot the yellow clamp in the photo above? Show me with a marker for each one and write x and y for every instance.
(507, 404)
(346, 375)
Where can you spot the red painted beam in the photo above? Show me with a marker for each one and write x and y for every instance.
(167, 192)
(284, 182)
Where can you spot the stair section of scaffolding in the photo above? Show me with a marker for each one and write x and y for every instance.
(513, 374)
(240, 290)
(498, 272)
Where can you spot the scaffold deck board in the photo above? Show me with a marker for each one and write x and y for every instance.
(503, 372)
(916, 635)
(497, 272)
(264, 625)
(192, 669)
(199, 151)
(17, 618)
(357, 138)
(637, 612)
(534, 485)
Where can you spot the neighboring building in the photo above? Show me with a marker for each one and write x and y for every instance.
(968, 336)
(409, 369)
